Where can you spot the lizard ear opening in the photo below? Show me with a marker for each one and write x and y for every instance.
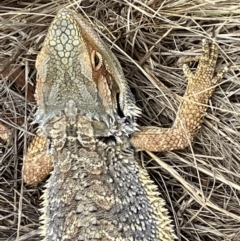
(119, 110)
(96, 59)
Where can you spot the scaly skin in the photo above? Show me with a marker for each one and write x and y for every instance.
(97, 190)
(191, 110)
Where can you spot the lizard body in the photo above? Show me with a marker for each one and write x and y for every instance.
(97, 190)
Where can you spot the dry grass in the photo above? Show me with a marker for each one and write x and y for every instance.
(201, 184)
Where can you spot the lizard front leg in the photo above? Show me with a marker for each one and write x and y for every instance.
(191, 110)
(37, 162)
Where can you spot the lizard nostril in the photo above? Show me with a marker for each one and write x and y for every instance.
(96, 60)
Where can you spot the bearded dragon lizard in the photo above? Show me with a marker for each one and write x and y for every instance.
(87, 120)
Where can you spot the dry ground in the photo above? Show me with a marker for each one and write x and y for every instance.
(201, 184)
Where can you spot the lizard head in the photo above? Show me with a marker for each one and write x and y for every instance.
(79, 74)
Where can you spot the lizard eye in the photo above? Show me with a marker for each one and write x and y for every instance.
(96, 60)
